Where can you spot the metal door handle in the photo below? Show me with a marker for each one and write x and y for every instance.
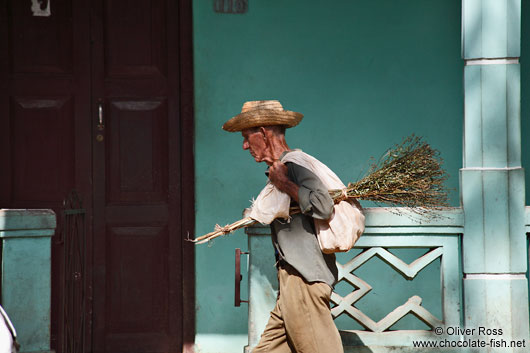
(239, 277)
(101, 124)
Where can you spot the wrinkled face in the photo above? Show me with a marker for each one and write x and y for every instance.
(254, 142)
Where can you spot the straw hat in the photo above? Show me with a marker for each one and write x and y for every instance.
(262, 113)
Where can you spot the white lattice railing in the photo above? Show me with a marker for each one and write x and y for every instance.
(346, 305)
(385, 232)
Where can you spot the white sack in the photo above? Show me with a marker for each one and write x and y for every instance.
(337, 234)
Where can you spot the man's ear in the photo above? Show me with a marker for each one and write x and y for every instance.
(264, 132)
(267, 136)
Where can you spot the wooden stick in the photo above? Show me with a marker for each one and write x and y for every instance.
(242, 223)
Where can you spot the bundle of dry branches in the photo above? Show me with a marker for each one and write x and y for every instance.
(409, 175)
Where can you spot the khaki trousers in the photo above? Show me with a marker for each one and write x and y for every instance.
(301, 321)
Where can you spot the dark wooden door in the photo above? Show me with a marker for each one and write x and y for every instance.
(96, 97)
(138, 157)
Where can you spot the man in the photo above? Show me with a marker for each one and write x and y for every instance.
(301, 321)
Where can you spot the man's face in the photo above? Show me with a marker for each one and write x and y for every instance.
(254, 141)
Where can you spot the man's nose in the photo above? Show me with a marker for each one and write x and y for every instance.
(245, 145)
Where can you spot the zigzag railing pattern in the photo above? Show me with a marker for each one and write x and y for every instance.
(409, 271)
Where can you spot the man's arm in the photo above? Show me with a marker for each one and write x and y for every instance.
(304, 187)
(279, 178)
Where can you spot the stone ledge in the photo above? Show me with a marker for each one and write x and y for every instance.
(27, 222)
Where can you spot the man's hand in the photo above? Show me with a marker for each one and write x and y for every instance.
(278, 174)
(278, 178)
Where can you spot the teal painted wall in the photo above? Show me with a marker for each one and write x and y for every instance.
(525, 93)
(364, 73)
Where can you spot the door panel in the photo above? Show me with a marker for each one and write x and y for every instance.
(41, 174)
(137, 150)
(41, 44)
(138, 280)
(138, 223)
(135, 38)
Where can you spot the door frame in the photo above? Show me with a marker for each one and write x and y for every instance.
(187, 132)
(187, 168)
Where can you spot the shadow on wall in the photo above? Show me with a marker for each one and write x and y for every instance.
(353, 343)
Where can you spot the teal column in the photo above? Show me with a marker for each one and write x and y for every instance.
(492, 180)
(26, 274)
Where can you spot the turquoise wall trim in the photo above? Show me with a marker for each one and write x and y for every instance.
(364, 73)
(26, 274)
(525, 93)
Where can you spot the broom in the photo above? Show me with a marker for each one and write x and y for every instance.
(409, 175)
